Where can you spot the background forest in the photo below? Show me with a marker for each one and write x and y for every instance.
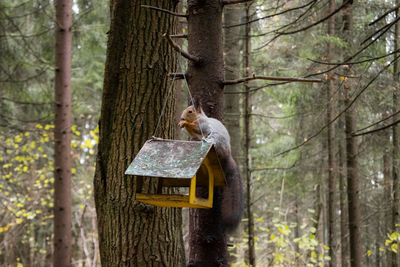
(304, 149)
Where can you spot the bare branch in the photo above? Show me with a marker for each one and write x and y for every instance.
(384, 29)
(377, 130)
(176, 76)
(317, 22)
(271, 15)
(340, 113)
(375, 123)
(270, 78)
(179, 49)
(165, 11)
(178, 36)
(384, 15)
(232, 2)
(354, 62)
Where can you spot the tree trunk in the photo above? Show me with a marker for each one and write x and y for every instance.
(331, 214)
(207, 240)
(353, 189)
(395, 136)
(135, 88)
(62, 136)
(232, 114)
(387, 196)
(247, 127)
(343, 211)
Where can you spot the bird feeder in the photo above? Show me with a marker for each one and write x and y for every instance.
(181, 164)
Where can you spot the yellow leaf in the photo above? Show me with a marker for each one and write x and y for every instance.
(342, 78)
(326, 247)
(369, 252)
(39, 126)
(273, 237)
(393, 247)
(17, 139)
(19, 220)
(73, 170)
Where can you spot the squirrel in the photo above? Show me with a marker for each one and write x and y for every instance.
(199, 126)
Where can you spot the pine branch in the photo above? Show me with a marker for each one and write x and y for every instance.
(270, 78)
(165, 11)
(179, 49)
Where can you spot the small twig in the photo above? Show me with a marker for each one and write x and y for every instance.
(232, 2)
(378, 129)
(179, 49)
(176, 76)
(384, 15)
(165, 11)
(270, 78)
(375, 123)
(178, 36)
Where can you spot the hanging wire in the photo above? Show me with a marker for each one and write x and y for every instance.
(188, 89)
(165, 102)
(170, 90)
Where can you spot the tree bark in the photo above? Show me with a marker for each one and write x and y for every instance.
(207, 238)
(232, 113)
(395, 138)
(135, 88)
(62, 136)
(247, 126)
(331, 214)
(343, 211)
(353, 190)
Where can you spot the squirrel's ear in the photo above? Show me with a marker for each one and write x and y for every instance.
(197, 104)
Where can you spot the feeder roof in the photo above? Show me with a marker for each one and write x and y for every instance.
(175, 159)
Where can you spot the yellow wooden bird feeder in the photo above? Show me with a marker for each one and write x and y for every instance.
(182, 164)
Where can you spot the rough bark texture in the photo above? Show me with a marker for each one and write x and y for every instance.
(62, 136)
(207, 238)
(331, 205)
(135, 87)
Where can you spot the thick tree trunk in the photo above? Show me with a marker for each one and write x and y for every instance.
(62, 136)
(207, 240)
(331, 205)
(135, 87)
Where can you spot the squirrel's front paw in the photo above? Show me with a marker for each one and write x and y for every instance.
(181, 124)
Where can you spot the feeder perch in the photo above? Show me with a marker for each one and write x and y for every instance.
(182, 164)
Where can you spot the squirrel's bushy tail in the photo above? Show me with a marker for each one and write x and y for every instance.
(232, 196)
